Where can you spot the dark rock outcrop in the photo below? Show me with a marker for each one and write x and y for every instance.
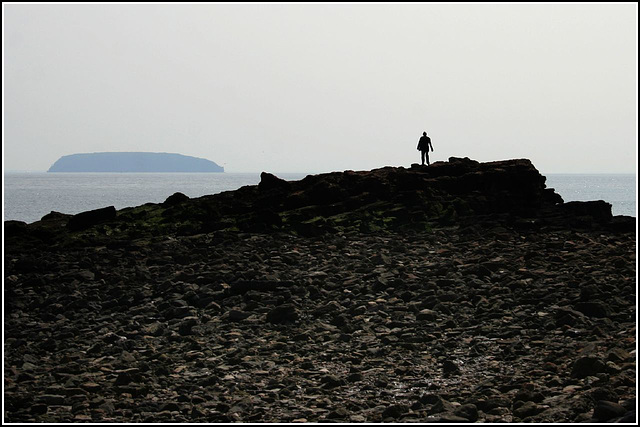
(269, 181)
(459, 192)
(175, 199)
(87, 219)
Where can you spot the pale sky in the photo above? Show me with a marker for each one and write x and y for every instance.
(323, 87)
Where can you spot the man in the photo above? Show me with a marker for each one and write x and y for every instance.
(423, 146)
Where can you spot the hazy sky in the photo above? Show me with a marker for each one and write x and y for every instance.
(323, 87)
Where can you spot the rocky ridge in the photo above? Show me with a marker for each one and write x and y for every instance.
(459, 292)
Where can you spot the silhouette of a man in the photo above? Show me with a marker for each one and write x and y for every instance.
(423, 145)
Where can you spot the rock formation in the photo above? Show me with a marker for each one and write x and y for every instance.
(458, 292)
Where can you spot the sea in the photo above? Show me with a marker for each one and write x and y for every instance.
(28, 196)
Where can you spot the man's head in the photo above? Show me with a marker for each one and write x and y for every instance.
(424, 134)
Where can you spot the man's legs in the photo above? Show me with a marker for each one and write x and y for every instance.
(425, 155)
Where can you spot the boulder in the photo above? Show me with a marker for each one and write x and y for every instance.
(286, 313)
(269, 181)
(588, 366)
(88, 219)
(606, 410)
(175, 199)
(599, 211)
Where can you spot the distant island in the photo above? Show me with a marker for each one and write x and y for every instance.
(133, 162)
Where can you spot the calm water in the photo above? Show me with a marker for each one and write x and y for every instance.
(29, 196)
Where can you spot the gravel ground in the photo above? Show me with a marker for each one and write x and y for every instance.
(474, 324)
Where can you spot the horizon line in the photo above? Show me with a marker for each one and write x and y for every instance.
(310, 172)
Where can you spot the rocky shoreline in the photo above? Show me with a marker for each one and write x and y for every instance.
(462, 292)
